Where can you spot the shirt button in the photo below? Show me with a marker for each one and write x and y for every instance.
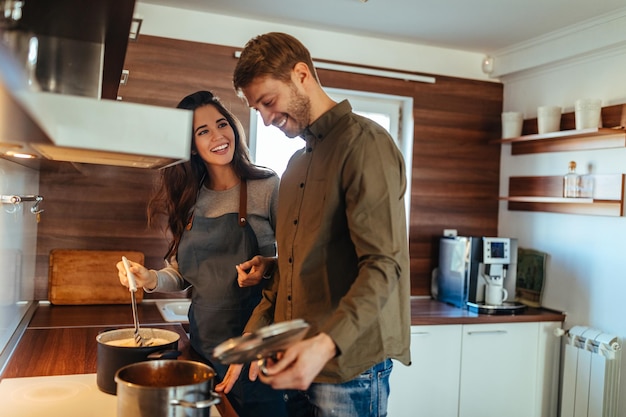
(309, 149)
(290, 260)
(301, 185)
(295, 221)
(289, 298)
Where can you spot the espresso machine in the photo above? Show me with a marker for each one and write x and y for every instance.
(468, 264)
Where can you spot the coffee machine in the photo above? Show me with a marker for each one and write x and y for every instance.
(467, 264)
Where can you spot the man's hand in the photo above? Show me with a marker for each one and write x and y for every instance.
(300, 363)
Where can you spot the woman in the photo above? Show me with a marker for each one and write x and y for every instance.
(221, 211)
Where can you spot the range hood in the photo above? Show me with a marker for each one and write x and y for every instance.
(60, 69)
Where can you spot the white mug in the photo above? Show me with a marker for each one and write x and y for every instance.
(495, 295)
(588, 113)
(548, 119)
(512, 123)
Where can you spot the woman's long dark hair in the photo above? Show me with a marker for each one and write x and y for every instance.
(179, 184)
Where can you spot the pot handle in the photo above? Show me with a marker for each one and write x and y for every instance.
(165, 354)
(215, 399)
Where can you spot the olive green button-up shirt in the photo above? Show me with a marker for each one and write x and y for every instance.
(343, 259)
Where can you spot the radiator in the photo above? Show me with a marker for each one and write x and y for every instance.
(591, 368)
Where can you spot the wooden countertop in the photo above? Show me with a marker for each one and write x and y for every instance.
(66, 350)
(426, 311)
(60, 340)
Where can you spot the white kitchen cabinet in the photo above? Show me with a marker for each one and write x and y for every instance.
(498, 368)
(509, 369)
(479, 370)
(429, 387)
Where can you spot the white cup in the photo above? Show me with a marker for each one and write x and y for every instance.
(495, 294)
(548, 119)
(587, 112)
(512, 122)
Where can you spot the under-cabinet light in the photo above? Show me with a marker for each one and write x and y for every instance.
(20, 155)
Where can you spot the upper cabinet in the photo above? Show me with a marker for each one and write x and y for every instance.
(72, 39)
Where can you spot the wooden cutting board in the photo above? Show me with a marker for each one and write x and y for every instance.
(88, 277)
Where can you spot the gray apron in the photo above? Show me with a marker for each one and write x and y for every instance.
(207, 255)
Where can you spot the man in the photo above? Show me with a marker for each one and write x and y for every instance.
(343, 263)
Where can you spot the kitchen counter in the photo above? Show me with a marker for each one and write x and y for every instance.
(60, 340)
(426, 311)
(68, 332)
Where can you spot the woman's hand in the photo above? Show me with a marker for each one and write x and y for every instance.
(251, 272)
(143, 276)
(232, 375)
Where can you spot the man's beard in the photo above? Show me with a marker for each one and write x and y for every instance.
(299, 113)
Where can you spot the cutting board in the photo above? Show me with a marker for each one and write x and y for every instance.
(88, 277)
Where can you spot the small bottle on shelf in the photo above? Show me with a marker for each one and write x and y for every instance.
(571, 182)
(586, 183)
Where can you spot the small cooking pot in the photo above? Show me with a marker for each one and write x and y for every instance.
(116, 349)
(165, 388)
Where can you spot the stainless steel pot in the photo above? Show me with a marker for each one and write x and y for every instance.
(165, 388)
(160, 344)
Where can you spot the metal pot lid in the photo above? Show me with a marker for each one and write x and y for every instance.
(265, 342)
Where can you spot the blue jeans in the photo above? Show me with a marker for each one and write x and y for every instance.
(366, 395)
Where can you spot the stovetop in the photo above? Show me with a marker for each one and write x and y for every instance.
(57, 396)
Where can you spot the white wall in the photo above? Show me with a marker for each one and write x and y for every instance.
(230, 31)
(586, 272)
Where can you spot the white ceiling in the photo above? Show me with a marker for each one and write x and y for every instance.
(472, 25)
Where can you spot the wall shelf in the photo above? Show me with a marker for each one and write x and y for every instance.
(567, 140)
(562, 200)
(543, 193)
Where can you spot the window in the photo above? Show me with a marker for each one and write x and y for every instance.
(271, 148)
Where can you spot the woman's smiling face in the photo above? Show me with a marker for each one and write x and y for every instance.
(214, 137)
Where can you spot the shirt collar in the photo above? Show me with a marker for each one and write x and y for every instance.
(320, 128)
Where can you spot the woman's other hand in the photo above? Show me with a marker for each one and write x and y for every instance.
(232, 375)
(251, 272)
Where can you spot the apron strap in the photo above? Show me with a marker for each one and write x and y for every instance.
(243, 202)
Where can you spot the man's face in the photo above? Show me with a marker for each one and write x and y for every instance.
(280, 104)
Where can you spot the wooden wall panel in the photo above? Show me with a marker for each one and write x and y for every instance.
(95, 207)
(162, 71)
(455, 171)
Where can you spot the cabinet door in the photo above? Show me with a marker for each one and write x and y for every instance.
(548, 369)
(430, 386)
(499, 370)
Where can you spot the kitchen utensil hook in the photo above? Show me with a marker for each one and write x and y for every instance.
(35, 208)
(19, 199)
